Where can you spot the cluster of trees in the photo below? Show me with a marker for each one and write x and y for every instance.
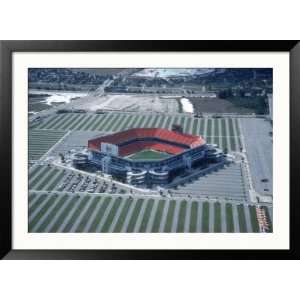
(254, 101)
(64, 76)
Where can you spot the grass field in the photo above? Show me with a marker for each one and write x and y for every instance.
(149, 155)
(224, 132)
(138, 215)
(40, 141)
(66, 212)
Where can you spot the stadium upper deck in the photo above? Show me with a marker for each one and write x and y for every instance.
(138, 139)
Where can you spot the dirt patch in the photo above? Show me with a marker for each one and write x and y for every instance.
(216, 105)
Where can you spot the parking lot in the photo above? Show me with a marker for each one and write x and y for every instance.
(224, 132)
(52, 178)
(228, 183)
(40, 141)
(67, 212)
(259, 151)
(80, 202)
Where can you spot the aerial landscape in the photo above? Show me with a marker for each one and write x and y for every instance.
(150, 150)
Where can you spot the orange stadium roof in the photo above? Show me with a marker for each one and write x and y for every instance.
(186, 140)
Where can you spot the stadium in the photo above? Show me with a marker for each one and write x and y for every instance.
(148, 156)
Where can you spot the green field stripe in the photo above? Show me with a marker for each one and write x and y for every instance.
(69, 122)
(79, 121)
(64, 118)
(201, 129)
(128, 121)
(75, 121)
(181, 216)
(230, 123)
(86, 122)
(120, 125)
(205, 217)
(56, 120)
(117, 120)
(223, 127)
(268, 218)
(170, 216)
(233, 143)
(253, 217)
(75, 214)
(176, 120)
(160, 121)
(209, 127)
(148, 119)
(242, 218)
(99, 122)
(44, 182)
(168, 122)
(146, 215)
(151, 120)
(158, 215)
(229, 218)
(40, 142)
(37, 179)
(217, 129)
(41, 212)
(100, 214)
(37, 203)
(34, 172)
(135, 121)
(188, 128)
(37, 141)
(107, 126)
(31, 197)
(54, 211)
(45, 122)
(194, 217)
(48, 123)
(135, 215)
(240, 146)
(236, 121)
(111, 215)
(224, 143)
(123, 216)
(182, 121)
(217, 215)
(38, 133)
(155, 121)
(195, 126)
(64, 215)
(63, 121)
(140, 122)
(88, 214)
(56, 181)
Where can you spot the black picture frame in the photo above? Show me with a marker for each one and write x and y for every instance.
(7, 48)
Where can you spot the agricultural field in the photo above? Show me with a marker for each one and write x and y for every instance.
(66, 212)
(40, 141)
(224, 132)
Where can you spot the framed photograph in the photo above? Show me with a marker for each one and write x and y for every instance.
(149, 149)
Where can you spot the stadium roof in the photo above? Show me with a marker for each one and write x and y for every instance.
(186, 140)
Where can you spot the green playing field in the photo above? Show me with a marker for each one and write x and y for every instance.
(149, 154)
